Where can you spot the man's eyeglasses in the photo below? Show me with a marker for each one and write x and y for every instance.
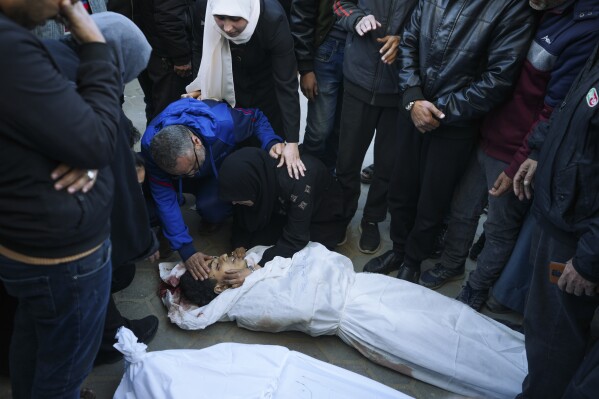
(196, 166)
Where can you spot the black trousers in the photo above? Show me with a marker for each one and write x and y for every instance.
(557, 328)
(359, 120)
(427, 169)
(161, 85)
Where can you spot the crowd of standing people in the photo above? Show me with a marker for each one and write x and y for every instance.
(474, 106)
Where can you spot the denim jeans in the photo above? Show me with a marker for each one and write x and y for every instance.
(322, 123)
(504, 220)
(58, 323)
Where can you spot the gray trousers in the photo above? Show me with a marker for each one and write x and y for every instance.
(504, 219)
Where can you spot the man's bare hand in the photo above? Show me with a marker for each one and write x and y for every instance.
(199, 265)
(239, 253)
(309, 85)
(154, 257)
(502, 185)
(235, 278)
(366, 24)
(524, 179)
(291, 158)
(183, 71)
(426, 116)
(73, 179)
(197, 94)
(276, 150)
(389, 49)
(573, 283)
(81, 25)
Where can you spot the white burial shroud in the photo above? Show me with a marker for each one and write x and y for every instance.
(237, 371)
(400, 325)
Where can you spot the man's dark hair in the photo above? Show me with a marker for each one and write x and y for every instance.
(198, 292)
(170, 143)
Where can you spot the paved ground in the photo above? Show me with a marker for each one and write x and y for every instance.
(140, 299)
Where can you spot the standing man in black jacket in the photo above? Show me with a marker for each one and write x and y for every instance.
(370, 102)
(168, 26)
(458, 60)
(563, 361)
(54, 226)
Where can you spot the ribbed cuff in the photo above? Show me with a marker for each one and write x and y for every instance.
(186, 251)
(412, 94)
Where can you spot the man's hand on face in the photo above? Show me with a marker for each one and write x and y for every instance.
(389, 49)
(366, 24)
(524, 179)
(502, 185)
(199, 265)
(426, 116)
(235, 278)
(573, 283)
(309, 85)
(81, 25)
(73, 179)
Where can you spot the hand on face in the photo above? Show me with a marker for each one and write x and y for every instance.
(199, 265)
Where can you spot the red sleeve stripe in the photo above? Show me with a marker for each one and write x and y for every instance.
(340, 11)
(161, 183)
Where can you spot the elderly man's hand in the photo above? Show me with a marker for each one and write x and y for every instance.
(291, 158)
(309, 85)
(81, 25)
(573, 283)
(389, 49)
(73, 179)
(199, 265)
(524, 179)
(426, 116)
(366, 24)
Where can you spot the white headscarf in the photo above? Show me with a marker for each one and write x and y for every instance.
(215, 78)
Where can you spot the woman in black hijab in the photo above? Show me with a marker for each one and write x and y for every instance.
(272, 208)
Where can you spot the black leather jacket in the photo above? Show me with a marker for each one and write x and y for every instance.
(369, 78)
(567, 179)
(464, 55)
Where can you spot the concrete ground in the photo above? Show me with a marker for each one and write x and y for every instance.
(141, 299)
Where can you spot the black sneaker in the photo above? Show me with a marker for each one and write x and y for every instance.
(370, 238)
(367, 174)
(439, 275)
(384, 264)
(144, 329)
(473, 298)
(495, 306)
(478, 246)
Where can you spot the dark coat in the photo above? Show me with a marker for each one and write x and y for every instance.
(567, 179)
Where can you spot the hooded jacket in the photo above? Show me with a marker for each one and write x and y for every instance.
(220, 128)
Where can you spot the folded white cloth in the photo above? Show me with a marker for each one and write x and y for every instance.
(237, 371)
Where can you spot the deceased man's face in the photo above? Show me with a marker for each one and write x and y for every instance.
(223, 263)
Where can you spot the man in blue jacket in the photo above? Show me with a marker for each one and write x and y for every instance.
(183, 148)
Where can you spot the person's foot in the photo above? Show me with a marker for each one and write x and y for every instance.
(384, 264)
(367, 174)
(370, 238)
(495, 306)
(408, 273)
(477, 248)
(471, 297)
(439, 275)
(206, 228)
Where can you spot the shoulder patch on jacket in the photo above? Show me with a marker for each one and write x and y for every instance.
(592, 97)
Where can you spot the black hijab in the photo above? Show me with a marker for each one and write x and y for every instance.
(249, 174)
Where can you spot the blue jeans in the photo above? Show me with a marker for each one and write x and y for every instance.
(325, 110)
(58, 323)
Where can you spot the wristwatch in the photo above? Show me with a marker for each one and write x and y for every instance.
(410, 105)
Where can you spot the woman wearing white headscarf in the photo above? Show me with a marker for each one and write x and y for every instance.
(248, 60)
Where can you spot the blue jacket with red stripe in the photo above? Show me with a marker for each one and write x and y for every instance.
(220, 128)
